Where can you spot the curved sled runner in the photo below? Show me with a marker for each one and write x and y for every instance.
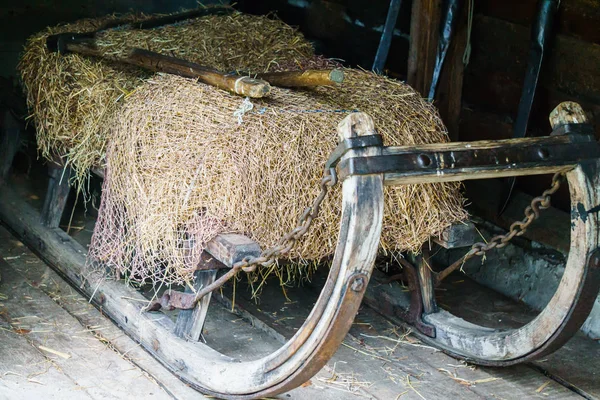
(364, 170)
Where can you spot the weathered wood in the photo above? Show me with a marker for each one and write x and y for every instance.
(567, 112)
(68, 354)
(10, 140)
(499, 60)
(564, 313)
(307, 78)
(578, 18)
(229, 248)
(461, 234)
(407, 356)
(374, 349)
(538, 336)
(424, 34)
(426, 281)
(485, 307)
(448, 171)
(448, 98)
(57, 194)
(242, 85)
(42, 277)
(190, 323)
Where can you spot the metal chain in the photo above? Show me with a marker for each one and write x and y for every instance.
(269, 256)
(517, 228)
(287, 243)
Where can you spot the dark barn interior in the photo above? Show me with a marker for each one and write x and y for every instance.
(154, 153)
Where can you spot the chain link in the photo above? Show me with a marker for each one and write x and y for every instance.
(269, 256)
(517, 228)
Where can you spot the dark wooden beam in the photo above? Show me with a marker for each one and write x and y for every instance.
(57, 194)
(10, 133)
(424, 33)
(449, 93)
(577, 18)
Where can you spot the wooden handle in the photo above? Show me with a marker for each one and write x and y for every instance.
(567, 112)
(242, 85)
(356, 124)
(308, 78)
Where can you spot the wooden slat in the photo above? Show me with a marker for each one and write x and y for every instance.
(424, 33)
(426, 281)
(448, 99)
(10, 132)
(57, 194)
(230, 248)
(461, 234)
(69, 357)
(92, 320)
(502, 168)
(190, 323)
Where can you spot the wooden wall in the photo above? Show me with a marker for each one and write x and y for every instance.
(345, 29)
(493, 79)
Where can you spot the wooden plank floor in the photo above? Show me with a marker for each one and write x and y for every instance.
(377, 360)
(54, 344)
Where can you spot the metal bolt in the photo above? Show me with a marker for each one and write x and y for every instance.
(423, 160)
(358, 284)
(543, 153)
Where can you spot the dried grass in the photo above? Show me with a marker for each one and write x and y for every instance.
(73, 98)
(180, 167)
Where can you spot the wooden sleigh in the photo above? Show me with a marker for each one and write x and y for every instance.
(363, 168)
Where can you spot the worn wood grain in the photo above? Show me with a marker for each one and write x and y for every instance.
(510, 382)
(567, 112)
(448, 172)
(190, 323)
(386, 360)
(229, 248)
(57, 194)
(242, 85)
(306, 78)
(424, 34)
(88, 367)
(507, 347)
(426, 281)
(461, 234)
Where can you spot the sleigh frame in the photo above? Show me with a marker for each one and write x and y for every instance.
(363, 170)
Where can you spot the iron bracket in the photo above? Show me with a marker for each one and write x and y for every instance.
(550, 151)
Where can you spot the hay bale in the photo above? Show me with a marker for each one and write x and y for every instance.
(181, 167)
(73, 98)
